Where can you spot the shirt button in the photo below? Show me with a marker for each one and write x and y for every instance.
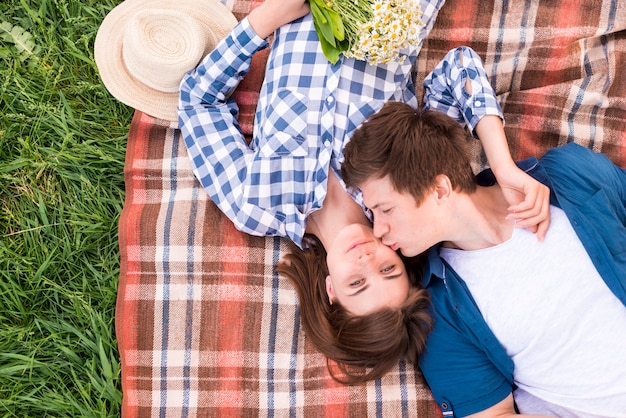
(478, 103)
(330, 100)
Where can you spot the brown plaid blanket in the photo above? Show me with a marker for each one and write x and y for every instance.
(206, 328)
(558, 67)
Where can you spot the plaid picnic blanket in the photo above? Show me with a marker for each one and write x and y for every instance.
(558, 68)
(204, 325)
(206, 328)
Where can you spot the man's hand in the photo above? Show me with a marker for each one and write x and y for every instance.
(272, 14)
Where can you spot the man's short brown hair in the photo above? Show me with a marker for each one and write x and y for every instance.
(410, 147)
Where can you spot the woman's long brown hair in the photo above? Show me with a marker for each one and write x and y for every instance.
(364, 347)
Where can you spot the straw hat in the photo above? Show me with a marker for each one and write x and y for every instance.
(144, 48)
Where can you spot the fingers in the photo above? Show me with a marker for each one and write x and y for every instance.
(533, 213)
(529, 201)
(542, 228)
(536, 224)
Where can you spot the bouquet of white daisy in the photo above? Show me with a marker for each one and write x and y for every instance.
(371, 30)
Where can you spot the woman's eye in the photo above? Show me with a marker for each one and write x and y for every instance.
(387, 269)
(356, 283)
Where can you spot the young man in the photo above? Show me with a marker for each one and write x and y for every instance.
(515, 319)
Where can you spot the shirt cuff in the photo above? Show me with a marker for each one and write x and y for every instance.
(478, 106)
(247, 39)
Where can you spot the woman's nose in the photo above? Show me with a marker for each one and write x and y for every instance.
(365, 253)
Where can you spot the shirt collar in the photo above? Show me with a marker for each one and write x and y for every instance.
(436, 266)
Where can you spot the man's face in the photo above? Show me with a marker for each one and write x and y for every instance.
(398, 221)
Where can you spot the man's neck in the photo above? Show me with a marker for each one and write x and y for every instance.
(480, 220)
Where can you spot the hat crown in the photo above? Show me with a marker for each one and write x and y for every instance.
(159, 46)
(144, 48)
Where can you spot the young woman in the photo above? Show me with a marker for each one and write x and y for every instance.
(287, 181)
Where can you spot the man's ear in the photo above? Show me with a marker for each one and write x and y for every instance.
(443, 187)
(329, 290)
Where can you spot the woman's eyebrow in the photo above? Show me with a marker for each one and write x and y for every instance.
(360, 290)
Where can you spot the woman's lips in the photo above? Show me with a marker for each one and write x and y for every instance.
(356, 244)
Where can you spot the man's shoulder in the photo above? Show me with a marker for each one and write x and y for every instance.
(575, 169)
(575, 158)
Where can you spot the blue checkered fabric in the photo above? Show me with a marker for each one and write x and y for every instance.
(307, 110)
(459, 87)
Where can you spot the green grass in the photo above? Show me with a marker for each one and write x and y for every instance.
(62, 147)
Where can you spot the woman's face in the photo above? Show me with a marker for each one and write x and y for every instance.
(364, 274)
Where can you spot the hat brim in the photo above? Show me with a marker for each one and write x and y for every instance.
(108, 51)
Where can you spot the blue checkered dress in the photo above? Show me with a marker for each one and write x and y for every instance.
(306, 112)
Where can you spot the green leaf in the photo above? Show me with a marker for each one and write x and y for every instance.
(320, 4)
(316, 10)
(19, 37)
(343, 45)
(336, 23)
(322, 24)
(331, 52)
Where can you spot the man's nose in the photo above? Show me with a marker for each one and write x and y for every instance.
(380, 229)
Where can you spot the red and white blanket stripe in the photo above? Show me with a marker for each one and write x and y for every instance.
(207, 329)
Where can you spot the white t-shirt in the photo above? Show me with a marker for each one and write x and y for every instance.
(554, 315)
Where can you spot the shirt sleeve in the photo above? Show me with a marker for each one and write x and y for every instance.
(591, 189)
(219, 153)
(446, 89)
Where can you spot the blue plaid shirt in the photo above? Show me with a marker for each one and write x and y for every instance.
(307, 110)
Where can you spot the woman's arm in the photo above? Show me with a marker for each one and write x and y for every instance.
(529, 199)
(237, 176)
(207, 115)
(459, 87)
(272, 14)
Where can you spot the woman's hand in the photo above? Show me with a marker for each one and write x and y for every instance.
(529, 200)
(272, 14)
